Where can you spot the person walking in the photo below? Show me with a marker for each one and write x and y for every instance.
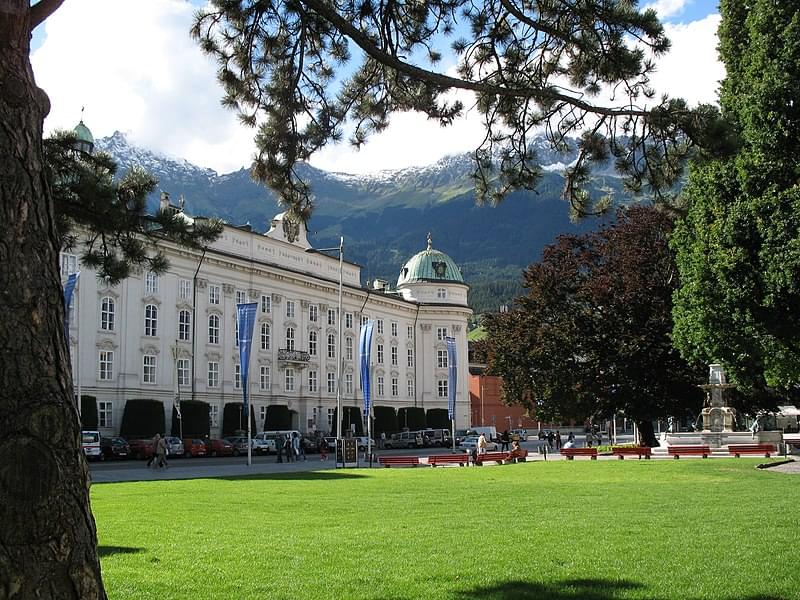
(161, 453)
(288, 449)
(154, 451)
(297, 447)
(558, 440)
(383, 440)
(481, 444)
(505, 439)
(323, 449)
(279, 449)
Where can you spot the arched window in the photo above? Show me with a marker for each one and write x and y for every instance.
(107, 308)
(265, 336)
(184, 325)
(290, 341)
(151, 320)
(312, 343)
(213, 329)
(331, 346)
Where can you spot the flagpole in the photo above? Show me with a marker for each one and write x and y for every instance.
(77, 345)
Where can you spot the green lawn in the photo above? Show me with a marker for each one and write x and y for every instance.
(580, 530)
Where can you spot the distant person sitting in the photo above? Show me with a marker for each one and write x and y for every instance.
(516, 451)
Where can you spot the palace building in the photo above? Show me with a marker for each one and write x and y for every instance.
(152, 335)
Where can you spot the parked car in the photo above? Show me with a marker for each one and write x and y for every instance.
(263, 443)
(405, 439)
(471, 442)
(90, 442)
(218, 447)
(174, 445)
(114, 448)
(438, 437)
(141, 449)
(239, 444)
(460, 435)
(522, 434)
(194, 447)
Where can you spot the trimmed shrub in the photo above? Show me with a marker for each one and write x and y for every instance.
(196, 421)
(412, 417)
(142, 418)
(278, 418)
(88, 412)
(385, 420)
(437, 418)
(232, 419)
(350, 415)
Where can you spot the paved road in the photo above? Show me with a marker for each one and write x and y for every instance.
(197, 468)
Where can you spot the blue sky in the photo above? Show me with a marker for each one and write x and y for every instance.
(144, 76)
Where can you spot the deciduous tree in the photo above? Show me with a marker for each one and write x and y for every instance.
(592, 336)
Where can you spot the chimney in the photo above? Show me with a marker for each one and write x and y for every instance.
(379, 284)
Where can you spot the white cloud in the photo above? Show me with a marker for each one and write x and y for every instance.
(667, 8)
(135, 68)
(692, 69)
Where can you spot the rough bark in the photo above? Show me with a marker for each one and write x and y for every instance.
(48, 544)
(647, 434)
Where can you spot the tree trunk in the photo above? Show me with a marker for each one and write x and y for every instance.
(647, 435)
(48, 544)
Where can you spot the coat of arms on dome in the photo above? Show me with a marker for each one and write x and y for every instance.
(440, 268)
(291, 229)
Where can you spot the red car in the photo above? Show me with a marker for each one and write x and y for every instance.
(194, 447)
(141, 449)
(217, 447)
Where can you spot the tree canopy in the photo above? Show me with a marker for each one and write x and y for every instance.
(738, 249)
(300, 71)
(592, 336)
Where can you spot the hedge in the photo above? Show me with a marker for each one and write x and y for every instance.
(351, 415)
(385, 420)
(412, 418)
(195, 416)
(142, 418)
(278, 418)
(437, 418)
(233, 421)
(89, 419)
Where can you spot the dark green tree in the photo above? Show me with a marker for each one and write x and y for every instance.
(738, 249)
(531, 66)
(593, 334)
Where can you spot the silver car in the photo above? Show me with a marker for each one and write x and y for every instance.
(174, 446)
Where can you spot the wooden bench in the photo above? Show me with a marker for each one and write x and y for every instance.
(449, 459)
(497, 457)
(738, 449)
(678, 451)
(399, 461)
(571, 453)
(638, 451)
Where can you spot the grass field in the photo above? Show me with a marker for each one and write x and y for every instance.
(580, 530)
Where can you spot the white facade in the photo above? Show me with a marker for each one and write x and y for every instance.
(142, 337)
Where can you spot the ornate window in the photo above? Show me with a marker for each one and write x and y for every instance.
(312, 343)
(213, 374)
(290, 338)
(265, 336)
(105, 365)
(148, 368)
(107, 309)
(213, 329)
(151, 320)
(184, 325)
(151, 283)
(264, 378)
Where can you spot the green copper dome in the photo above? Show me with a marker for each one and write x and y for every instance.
(83, 134)
(429, 265)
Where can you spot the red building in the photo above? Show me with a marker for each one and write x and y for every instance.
(487, 408)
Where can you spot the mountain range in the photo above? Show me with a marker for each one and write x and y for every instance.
(385, 217)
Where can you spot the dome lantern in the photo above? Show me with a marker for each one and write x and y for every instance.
(85, 139)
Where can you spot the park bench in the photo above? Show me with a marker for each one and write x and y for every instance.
(571, 453)
(638, 451)
(497, 457)
(738, 449)
(448, 459)
(678, 451)
(399, 461)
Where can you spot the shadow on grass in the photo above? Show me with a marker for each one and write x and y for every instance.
(570, 589)
(111, 550)
(328, 475)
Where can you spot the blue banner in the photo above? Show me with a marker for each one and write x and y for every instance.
(69, 288)
(452, 373)
(364, 347)
(245, 320)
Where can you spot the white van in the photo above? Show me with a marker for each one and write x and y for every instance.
(90, 442)
(490, 432)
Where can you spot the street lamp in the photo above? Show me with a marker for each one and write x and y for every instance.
(177, 400)
(340, 317)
